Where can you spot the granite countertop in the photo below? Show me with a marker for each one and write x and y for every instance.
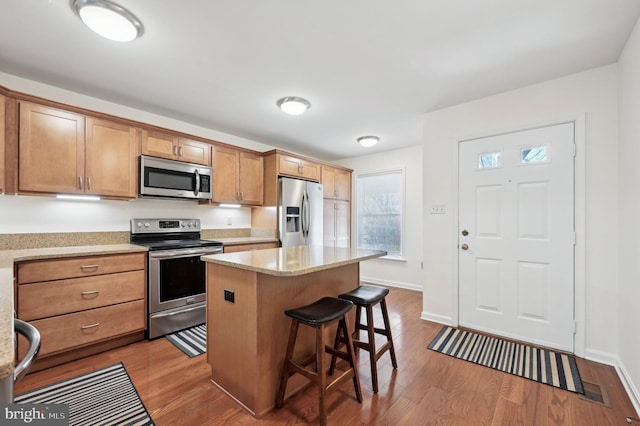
(246, 240)
(292, 261)
(7, 259)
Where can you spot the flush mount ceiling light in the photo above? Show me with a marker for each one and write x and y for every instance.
(293, 105)
(368, 141)
(108, 19)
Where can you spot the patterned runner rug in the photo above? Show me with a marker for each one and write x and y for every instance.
(541, 365)
(102, 397)
(192, 341)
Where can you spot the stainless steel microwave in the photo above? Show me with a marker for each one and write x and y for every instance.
(176, 179)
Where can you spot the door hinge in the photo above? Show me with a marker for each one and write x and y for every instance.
(574, 236)
(575, 327)
(574, 149)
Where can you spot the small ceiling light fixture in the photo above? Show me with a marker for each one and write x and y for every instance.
(368, 141)
(108, 19)
(293, 105)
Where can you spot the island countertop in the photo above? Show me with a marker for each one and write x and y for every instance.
(293, 261)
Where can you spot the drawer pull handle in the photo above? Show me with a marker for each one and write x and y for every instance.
(86, 327)
(85, 267)
(90, 293)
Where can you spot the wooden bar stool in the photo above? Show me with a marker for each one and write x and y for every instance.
(367, 296)
(319, 315)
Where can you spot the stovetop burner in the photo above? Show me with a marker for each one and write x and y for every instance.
(168, 234)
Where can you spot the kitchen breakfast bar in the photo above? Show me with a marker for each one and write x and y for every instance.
(247, 330)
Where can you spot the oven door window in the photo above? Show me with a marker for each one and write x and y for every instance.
(169, 179)
(181, 277)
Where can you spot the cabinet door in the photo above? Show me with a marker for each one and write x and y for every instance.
(225, 175)
(51, 150)
(158, 144)
(342, 184)
(329, 223)
(343, 224)
(194, 152)
(310, 171)
(251, 178)
(111, 162)
(288, 165)
(328, 182)
(2, 119)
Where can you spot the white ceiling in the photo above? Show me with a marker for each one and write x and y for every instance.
(366, 66)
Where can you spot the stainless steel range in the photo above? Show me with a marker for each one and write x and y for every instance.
(177, 282)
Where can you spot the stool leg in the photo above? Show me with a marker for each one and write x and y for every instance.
(293, 333)
(371, 347)
(336, 345)
(387, 326)
(344, 324)
(322, 373)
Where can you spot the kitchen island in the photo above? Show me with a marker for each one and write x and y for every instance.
(247, 330)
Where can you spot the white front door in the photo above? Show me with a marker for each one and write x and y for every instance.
(516, 235)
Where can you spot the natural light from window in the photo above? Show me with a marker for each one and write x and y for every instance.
(380, 212)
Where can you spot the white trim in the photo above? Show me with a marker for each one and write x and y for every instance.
(391, 284)
(437, 318)
(579, 121)
(615, 361)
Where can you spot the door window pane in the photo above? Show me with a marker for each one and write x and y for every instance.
(490, 161)
(380, 205)
(537, 154)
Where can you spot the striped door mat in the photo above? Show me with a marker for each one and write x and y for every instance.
(541, 365)
(192, 341)
(102, 397)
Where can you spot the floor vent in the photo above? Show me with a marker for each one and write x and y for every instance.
(595, 393)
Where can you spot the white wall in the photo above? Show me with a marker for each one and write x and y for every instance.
(592, 92)
(400, 274)
(629, 212)
(31, 214)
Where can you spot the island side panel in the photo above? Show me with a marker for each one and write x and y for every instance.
(277, 294)
(231, 332)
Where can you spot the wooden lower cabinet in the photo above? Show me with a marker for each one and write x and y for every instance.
(82, 305)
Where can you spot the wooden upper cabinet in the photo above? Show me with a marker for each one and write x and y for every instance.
(336, 183)
(2, 120)
(64, 152)
(111, 159)
(164, 145)
(237, 176)
(51, 150)
(298, 167)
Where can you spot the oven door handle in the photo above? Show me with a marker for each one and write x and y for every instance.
(170, 314)
(175, 255)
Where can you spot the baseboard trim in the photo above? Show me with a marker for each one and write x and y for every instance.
(406, 286)
(440, 319)
(615, 361)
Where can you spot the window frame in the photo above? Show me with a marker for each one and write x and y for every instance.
(391, 171)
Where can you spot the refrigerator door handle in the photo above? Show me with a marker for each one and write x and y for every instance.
(305, 215)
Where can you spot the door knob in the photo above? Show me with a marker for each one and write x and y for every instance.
(465, 247)
(464, 232)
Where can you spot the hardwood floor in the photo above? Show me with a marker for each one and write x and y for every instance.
(427, 388)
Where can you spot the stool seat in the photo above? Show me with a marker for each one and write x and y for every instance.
(366, 295)
(325, 310)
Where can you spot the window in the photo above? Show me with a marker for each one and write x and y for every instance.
(537, 154)
(380, 212)
(490, 161)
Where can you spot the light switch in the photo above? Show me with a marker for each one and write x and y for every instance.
(437, 209)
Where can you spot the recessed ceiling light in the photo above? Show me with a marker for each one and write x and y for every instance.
(108, 19)
(293, 105)
(368, 141)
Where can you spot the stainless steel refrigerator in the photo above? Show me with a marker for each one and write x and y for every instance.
(299, 212)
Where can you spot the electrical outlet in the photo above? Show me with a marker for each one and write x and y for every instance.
(229, 296)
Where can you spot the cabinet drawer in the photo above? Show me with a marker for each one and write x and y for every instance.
(72, 330)
(51, 298)
(58, 269)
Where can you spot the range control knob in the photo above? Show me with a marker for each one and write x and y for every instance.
(147, 224)
(139, 224)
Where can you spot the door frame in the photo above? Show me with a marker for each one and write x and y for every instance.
(579, 272)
